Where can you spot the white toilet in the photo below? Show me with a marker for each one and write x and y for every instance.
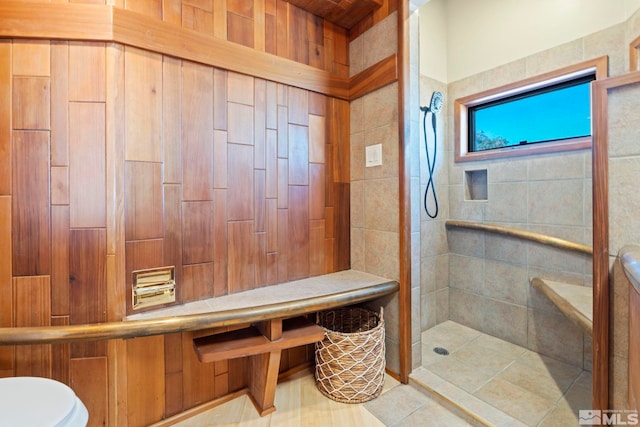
(39, 402)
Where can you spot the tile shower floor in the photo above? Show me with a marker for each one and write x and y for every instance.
(498, 382)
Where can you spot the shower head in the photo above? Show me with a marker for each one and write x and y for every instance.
(435, 105)
(437, 99)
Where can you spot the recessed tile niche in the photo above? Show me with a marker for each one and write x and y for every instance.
(475, 187)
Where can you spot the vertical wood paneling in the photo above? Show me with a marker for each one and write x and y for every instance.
(259, 25)
(151, 8)
(31, 103)
(219, 98)
(260, 124)
(298, 155)
(298, 232)
(271, 160)
(283, 123)
(197, 138)
(241, 256)
(260, 203)
(60, 354)
(240, 123)
(143, 200)
(172, 11)
(88, 379)
(298, 106)
(59, 103)
(145, 380)
(172, 223)
(316, 191)
(240, 201)
(271, 106)
(197, 282)
(6, 285)
(198, 377)
(283, 245)
(220, 19)
(197, 19)
(272, 225)
(282, 28)
(5, 117)
(173, 393)
(116, 257)
(283, 183)
(240, 29)
(240, 88)
(143, 98)
(261, 259)
(298, 38)
(87, 72)
(197, 232)
(317, 139)
(220, 245)
(87, 165)
(59, 185)
(30, 212)
(60, 260)
(220, 159)
(33, 296)
(31, 58)
(171, 116)
(316, 248)
(87, 277)
(338, 137)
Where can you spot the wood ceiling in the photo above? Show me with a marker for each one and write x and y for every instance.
(345, 13)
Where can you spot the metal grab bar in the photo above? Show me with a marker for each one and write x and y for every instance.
(190, 322)
(523, 234)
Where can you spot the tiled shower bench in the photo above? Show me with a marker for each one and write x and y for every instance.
(276, 322)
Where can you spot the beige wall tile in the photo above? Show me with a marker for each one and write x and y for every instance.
(381, 253)
(624, 198)
(442, 305)
(504, 74)
(556, 202)
(507, 202)
(357, 156)
(381, 107)
(466, 308)
(466, 273)
(466, 242)
(505, 321)
(555, 336)
(381, 205)
(433, 239)
(609, 42)
(555, 58)
(357, 203)
(569, 165)
(381, 41)
(623, 135)
(506, 282)
(504, 248)
(357, 249)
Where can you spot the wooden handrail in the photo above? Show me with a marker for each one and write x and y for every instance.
(523, 234)
(191, 322)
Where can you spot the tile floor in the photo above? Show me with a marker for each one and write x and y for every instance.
(484, 381)
(499, 382)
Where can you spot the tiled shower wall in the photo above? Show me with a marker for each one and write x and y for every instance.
(375, 191)
(482, 280)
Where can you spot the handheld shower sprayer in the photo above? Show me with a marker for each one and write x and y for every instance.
(435, 106)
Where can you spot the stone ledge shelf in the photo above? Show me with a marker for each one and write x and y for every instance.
(285, 299)
(574, 301)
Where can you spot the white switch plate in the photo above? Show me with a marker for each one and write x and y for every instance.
(373, 155)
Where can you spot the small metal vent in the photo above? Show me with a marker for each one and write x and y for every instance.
(441, 351)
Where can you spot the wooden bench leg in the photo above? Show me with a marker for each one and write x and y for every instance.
(263, 369)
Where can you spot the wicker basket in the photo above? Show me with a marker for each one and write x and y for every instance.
(350, 360)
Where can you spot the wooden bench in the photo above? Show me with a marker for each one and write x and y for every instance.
(275, 320)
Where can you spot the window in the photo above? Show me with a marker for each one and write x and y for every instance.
(547, 113)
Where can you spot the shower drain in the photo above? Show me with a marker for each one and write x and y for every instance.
(441, 351)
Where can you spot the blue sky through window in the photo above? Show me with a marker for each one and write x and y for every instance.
(558, 114)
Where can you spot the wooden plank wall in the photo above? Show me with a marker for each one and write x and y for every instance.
(114, 159)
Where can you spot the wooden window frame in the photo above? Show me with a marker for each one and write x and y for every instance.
(598, 66)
